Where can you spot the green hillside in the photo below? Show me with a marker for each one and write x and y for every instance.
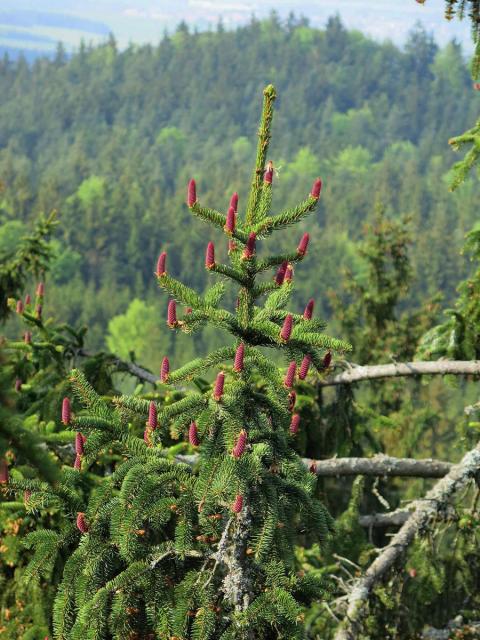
(111, 138)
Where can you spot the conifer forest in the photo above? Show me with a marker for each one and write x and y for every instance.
(240, 336)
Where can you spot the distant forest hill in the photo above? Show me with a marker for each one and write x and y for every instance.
(111, 138)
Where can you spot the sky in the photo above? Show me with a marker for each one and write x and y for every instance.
(40, 24)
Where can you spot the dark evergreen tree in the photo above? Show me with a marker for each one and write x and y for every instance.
(163, 550)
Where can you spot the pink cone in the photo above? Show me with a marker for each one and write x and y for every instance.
(234, 201)
(79, 444)
(161, 264)
(316, 189)
(290, 375)
(237, 505)
(77, 465)
(280, 277)
(172, 314)
(218, 389)
(268, 176)
(288, 274)
(303, 244)
(19, 308)
(210, 256)
(249, 250)
(232, 245)
(81, 522)
(295, 424)
(230, 221)
(239, 355)
(28, 299)
(152, 415)
(287, 327)
(66, 411)
(193, 435)
(40, 289)
(239, 448)
(308, 313)
(192, 193)
(165, 370)
(38, 311)
(27, 337)
(304, 367)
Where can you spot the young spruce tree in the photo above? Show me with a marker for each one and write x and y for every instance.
(201, 546)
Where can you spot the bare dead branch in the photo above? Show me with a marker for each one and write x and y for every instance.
(380, 465)
(357, 373)
(426, 509)
(392, 519)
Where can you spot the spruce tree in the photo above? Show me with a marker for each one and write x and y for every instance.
(201, 545)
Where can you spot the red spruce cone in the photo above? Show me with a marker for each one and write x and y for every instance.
(162, 264)
(218, 389)
(237, 505)
(165, 370)
(193, 434)
(152, 415)
(234, 201)
(18, 384)
(38, 311)
(280, 277)
(66, 411)
(268, 176)
(3, 472)
(316, 189)
(230, 221)
(27, 337)
(172, 314)
(232, 245)
(210, 256)
(292, 399)
(308, 313)
(249, 250)
(295, 423)
(81, 522)
(239, 354)
(239, 448)
(77, 465)
(327, 360)
(79, 444)
(303, 244)
(28, 299)
(287, 327)
(290, 375)
(40, 289)
(19, 308)
(192, 193)
(304, 367)
(288, 274)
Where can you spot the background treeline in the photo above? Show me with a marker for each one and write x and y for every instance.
(110, 139)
